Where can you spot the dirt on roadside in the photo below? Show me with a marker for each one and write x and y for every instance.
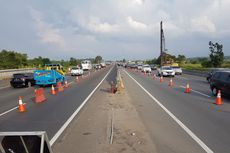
(104, 115)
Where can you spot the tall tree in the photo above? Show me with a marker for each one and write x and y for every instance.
(98, 59)
(73, 61)
(181, 58)
(216, 55)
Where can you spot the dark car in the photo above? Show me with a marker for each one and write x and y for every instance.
(212, 71)
(22, 80)
(220, 80)
(153, 67)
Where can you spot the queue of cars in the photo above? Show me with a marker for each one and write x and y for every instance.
(162, 71)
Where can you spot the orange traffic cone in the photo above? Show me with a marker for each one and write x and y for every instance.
(170, 83)
(187, 89)
(77, 79)
(218, 98)
(161, 79)
(21, 107)
(154, 77)
(59, 87)
(53, 92)
(66, 84)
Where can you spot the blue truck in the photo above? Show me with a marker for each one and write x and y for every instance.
(51, 75)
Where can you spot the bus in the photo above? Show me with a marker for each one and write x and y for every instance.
(86, 65)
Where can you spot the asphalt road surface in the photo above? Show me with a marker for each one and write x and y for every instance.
(210, 123)
(50, 115)
(172, 120)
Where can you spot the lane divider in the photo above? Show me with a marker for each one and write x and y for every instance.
(182, 125)
(4, 87)
(64, 126)
(197, 92)
(10, 110)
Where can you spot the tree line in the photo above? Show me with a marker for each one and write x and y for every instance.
(16, 60)
(215, 59)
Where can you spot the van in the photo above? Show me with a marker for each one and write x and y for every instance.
(220, 80)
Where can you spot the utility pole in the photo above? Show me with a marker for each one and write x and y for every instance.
(162, 44)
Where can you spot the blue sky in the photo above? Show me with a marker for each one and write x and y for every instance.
(114, 29)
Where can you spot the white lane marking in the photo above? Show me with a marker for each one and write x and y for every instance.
(64, 126)
(182, 125)
(180, 77)
(197, 92)
(10, 110)
(70, 82)
(4, 87)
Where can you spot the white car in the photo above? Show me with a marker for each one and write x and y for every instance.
(146, 69)
(103, 64)
(165, 71)
(139, 66)
(76, 71)
(177, 70)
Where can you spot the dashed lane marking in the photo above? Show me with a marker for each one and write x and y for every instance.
(10, 110)
(4, 87)
(182, 125)
(197, 92)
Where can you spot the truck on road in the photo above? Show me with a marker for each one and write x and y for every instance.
(52, 74)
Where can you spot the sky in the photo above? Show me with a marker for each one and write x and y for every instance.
(113, 29)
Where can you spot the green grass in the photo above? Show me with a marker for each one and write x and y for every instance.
(226, 64)
(196, 67)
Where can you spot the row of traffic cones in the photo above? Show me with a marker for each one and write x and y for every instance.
(218, 100)
(39, 96)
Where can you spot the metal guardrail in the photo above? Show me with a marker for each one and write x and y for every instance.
(5, 74)
(25, 142)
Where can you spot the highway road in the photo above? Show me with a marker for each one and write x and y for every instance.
(50, 115)
(168, 119)
(208, 123)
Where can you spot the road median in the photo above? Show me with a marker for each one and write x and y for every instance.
(108, 123)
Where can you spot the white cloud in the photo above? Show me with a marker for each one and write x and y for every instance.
(46, 32)
(81, 28)
(135, 24)
(103, 27)
(139, 2)
(203, 24)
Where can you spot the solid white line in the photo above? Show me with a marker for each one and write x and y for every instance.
(180, 77)
(10, 110)
(64, 126)
(197, 92)
(184, 127)
(4, 87)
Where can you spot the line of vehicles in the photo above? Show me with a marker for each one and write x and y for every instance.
(218, 78)
(162, 71)
(51, 74)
